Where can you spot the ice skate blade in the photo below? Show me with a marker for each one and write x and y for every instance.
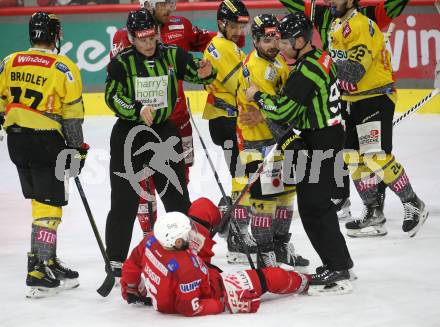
(422, 220)
(344, 215)
(370, 231)
(239, 258)
(68, 284)
(37, 292)
(353, 276)
(337, 288)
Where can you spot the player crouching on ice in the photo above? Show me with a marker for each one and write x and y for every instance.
(165, 270)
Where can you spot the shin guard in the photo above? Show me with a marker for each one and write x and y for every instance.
(280, 281)
(46, 219)
(261, 215)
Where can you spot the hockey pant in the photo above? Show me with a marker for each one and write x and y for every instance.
(314, 192)
(223, 134)
(125, 193)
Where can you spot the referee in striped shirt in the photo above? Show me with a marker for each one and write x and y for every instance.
(310, 102)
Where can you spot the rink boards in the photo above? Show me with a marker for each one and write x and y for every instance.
(95, 105)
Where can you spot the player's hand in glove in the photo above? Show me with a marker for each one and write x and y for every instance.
(292, 142)
(134, 293)
(75, 162)
(242, 301)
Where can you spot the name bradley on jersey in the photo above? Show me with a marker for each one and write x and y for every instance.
(28, 78)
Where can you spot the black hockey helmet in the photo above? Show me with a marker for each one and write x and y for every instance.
(294, 25)
(44, 28)
(141, 23)
(264, 25)
(233, 11)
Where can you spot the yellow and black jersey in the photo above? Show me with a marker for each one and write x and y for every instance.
(226, 57)
(269, 77)
(358, 39)
(43, 91)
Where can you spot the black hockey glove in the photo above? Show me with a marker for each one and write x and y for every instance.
(134, 295)
(291, 142)
(76, 162)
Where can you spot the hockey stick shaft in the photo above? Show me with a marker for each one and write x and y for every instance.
(389, 32)
(222, 190)
(107, 286)
(149, 203)
(214, 171)
(312, 11)
(417, 106)
(251, 181)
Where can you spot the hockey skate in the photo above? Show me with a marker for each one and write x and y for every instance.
(223, 208)
(343, 208)
(330, 282)
(321, 269)
(40, 280)
(266, 256)
(235, 253)
(67, 277)
(285, 254)
(117, 271)
(371, 223)
(415, 216)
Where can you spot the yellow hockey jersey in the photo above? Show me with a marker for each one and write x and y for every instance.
(226, 57)
(39, 90)
(269, 77)
(360, 39)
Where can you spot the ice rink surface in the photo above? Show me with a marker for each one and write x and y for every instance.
(398, 277)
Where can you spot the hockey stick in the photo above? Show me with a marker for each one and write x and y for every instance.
(312, 11)
(417, 106)
(388, 33)
(149, 204)
(217, 178)
(251, 181)
(222, 190)
(109, 281)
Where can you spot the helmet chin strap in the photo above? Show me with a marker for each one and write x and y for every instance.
(58, 44)
(222, 28)
(296, 49)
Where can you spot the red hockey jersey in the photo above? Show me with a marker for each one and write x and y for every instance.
(176, 281)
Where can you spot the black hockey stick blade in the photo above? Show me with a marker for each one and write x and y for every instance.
(107, 285)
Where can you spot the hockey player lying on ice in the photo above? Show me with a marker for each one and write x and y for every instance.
(171, 269)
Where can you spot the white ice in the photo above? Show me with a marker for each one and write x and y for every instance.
(398, 277)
